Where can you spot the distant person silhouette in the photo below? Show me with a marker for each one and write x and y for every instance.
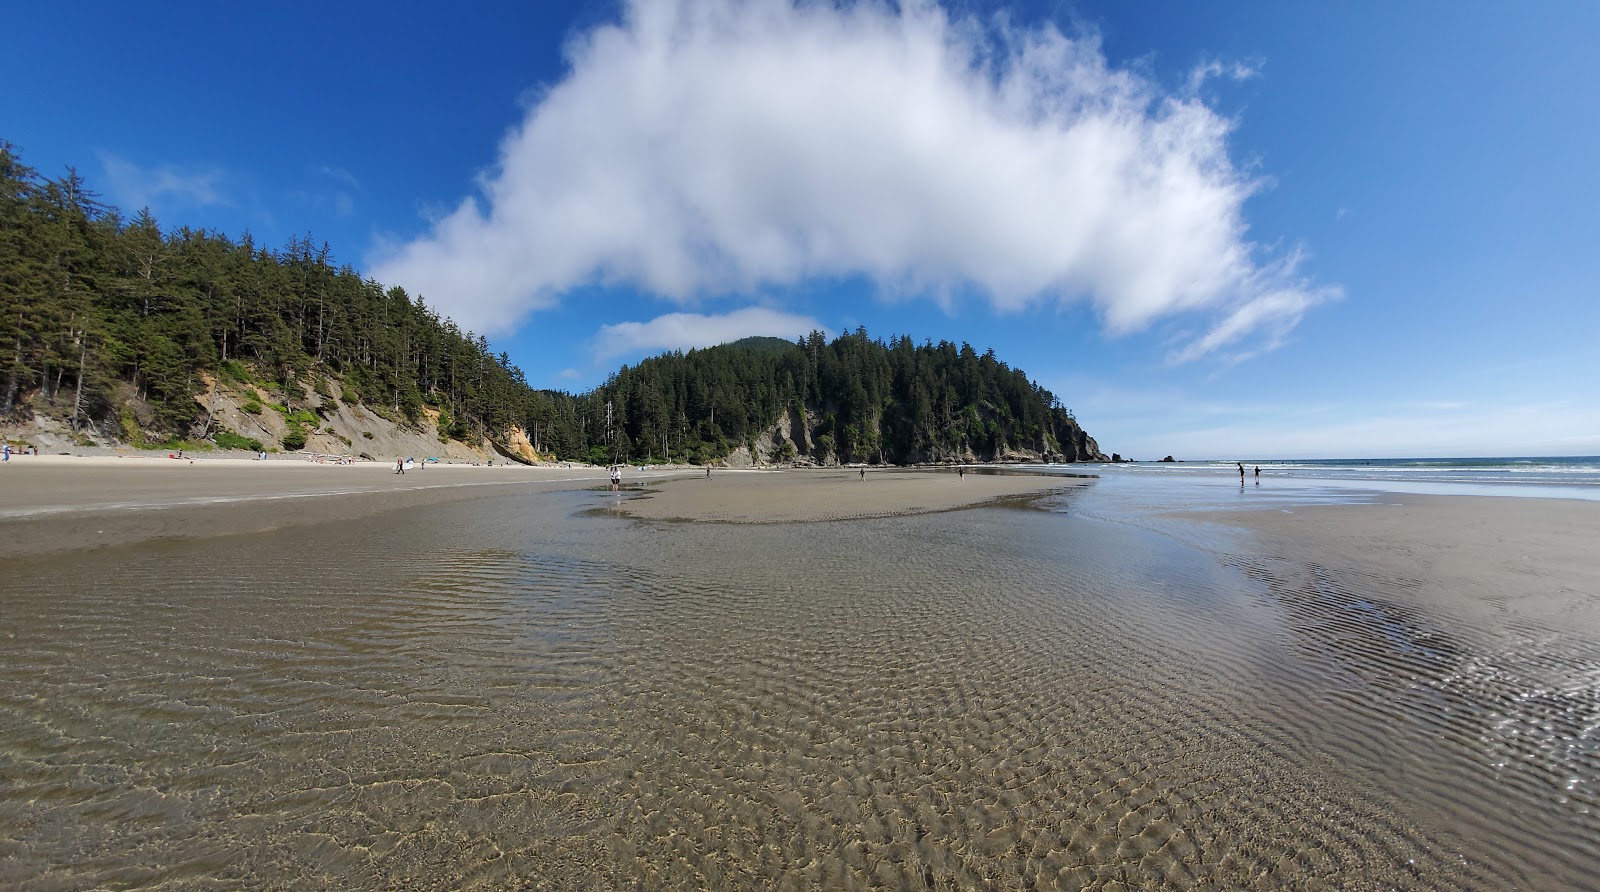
(1258, 475)
(863, 473)
(1241, 473)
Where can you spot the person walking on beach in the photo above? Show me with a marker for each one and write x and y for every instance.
(7, 453)
(616, 478)
(1241, 473)
(399, 466)
(708, 472)
(962, 473)
(863, 473)
(1258, 475)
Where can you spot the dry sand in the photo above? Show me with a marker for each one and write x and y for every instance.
(800, 495)
(53, 503)
(1472, 558)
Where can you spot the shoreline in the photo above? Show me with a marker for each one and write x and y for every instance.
(1473, 559)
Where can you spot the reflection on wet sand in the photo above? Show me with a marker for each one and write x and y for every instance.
(514, 693)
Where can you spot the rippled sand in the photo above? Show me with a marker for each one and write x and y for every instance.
(524, 691)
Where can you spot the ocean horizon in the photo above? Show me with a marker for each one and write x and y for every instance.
(1560, 477)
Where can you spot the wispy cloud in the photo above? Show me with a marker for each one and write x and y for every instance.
(343, 199)
(340, 175)
(1215, 68)
(688, 331)
(132, 186)
(716, 147)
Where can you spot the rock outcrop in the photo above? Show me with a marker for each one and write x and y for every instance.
(795, 437)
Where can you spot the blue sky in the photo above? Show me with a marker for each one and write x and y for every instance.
(1249, 230)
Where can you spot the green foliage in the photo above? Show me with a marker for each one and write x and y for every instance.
(865, 401)
(294, 439)
(88, 295)
(132, 434)
(182, 445)
(235, 370)
(226, 439)
(367, 434)
(297, 416)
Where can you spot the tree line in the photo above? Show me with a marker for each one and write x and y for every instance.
(852, 399)
(114, 325)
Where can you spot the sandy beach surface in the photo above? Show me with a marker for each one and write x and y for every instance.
(820, 495)
(50, 503)
(1471, 559)
(469, 676)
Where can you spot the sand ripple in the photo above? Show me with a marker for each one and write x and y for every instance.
(511, 694)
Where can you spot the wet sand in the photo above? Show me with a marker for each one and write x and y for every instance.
(806, 496)
(1472, 559)
(1456, 640)
(53, 503)
(537, 688)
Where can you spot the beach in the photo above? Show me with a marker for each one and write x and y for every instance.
(1471, 559)
(338, 677)
(807, 496)
(68, 502)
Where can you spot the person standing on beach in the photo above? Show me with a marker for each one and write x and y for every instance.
(1258, 475)
(399, 466)
(863, 473)
(7, 453)
(616, 478)
(1241, 473)
(962, 473)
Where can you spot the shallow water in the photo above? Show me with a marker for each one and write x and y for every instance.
(516, 692)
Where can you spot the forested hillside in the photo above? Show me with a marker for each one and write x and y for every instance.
(113, 324)
(852, 400)
(118, 330)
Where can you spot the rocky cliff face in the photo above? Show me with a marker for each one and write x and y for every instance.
(332, 426)
(322, 423)
(795, 436)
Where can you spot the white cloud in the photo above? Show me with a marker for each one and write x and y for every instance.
(688, 331)
(132, 187)
(1215, 68)
(708, 147)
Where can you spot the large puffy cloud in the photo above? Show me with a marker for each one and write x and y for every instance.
(688, 331)
(705, 147)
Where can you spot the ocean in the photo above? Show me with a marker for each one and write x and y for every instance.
(1562, 477)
